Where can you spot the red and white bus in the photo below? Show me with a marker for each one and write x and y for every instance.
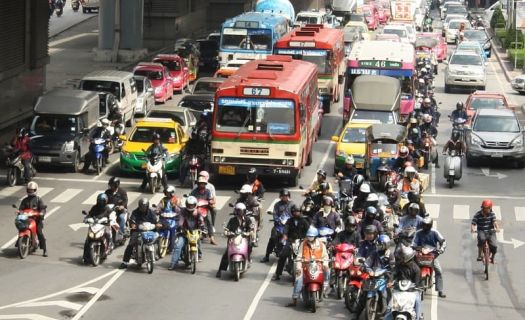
(267, 116)
(324, 47)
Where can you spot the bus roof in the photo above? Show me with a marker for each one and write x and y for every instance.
(264, 20)
(281, 72)
(382, 50)
(366, 87)
(310, 36)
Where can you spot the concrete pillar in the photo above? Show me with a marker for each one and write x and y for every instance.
(132, 13)
(106, 23)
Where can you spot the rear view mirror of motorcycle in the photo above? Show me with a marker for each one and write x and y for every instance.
(236, 191)
(269, 212)
(84, 212)
(230, 205)
(185, 195)
(14, 206)
(440, 102)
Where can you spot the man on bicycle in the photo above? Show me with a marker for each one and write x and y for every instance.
(484, 223)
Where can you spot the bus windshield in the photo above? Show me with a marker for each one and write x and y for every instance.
(317, 57)
(243, 115)
(246, 39)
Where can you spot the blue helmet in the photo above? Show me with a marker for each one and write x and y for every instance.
(102, 199)
(312, 232)
(383, 242)
(371, 212)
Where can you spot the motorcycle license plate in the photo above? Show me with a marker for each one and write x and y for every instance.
(144, 165)
(496, 155)
(44, 159)
(227, 170)
(359, 165)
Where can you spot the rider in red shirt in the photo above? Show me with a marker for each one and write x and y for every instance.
(21, 144)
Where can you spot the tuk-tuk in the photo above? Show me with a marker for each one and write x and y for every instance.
(382, 147)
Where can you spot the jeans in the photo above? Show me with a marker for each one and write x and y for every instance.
(131, 244)
(417, 308)
(179, 243)
(298, 285)
(27, 169)
(438, 273)
(122, 219)
(286, 252)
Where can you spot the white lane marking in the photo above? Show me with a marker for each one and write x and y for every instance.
(95, 178)
(78, 226)
(433, 180)
(156, 198)
(66, 195)
(132, 196)
(90, 290)
(497, 211)
(433, 210)
(106, 286)
(519, 212)
(461, 212)
(42, 191)
(59, 303)
(7, 192)
(83, 180)
(220, 201)
(437, 195)
(13, 240)
(93, 198)
(57, 42)
(327, 153)
(30, 316)
(260, 292)
(433, 306)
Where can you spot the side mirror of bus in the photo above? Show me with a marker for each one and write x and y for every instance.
(335, 139)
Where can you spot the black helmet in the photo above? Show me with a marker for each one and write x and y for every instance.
(102, 199)
(295, 209)
(427, 223)
(328, 201)
(413, 196)
(370, 229)
(459, 105)
(324, 186)
(455, 135)
(371, 213)
(143, 203)
(404, 254)
(358, 180)
(155, 136)
(350, 221)
(114, 182)
(284, 192)
(322, 173)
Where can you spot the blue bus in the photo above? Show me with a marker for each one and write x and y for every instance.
(251, 36)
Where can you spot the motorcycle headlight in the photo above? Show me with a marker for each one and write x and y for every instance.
(518, 142)
(91, 234)
(69, 146)
(476, 140)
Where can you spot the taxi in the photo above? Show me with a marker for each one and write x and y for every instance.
(179, 71)
(352, 141)
(132, 157)
(229, 69)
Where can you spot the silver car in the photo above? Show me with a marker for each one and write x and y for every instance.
(518, 84)
(465, 69)
(495, 134)
(183, 116)
(145, 96)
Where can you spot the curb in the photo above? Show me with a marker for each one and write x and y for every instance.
(71, 27)
(502, 65)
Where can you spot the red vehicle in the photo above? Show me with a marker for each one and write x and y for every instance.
(313, 279)
(425, 259)
(439, 47)
(383, 14)
(160, 79)
(25, 222)
(485, 100)
(177, 68)
(342, 261)
(371, 16)
(355, 283)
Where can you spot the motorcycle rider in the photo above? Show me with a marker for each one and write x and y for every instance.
(414, 134)
(404, 156)
(413, 151)
(282, 208)
(357, 182)
(415, 197)
(101, 132)
(327, 217)
(154, 150)
(412, 220)
(33, 201)
(256, 184)
(454, 143)
(310, 248)
(350, 234)
(373, 201)
(211, 187)
(428, 236)
(20, 144)
(460, 112)
(202, 193)
(99, 211)
(484, 223)
(170, 202)
(348, 171)
(321, 178)
(119, 198)
(410, 182)
(294, 229)
(251, 202)
(370, 219)
(142, 214)
(190, 219)
(239, 222)
(360, 200)
(428, 127)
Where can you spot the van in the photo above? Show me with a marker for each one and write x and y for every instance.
(119, 83)
(89, 5)
(63, 123)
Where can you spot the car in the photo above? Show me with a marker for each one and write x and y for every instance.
(444, 8)
(496, 134)
(453, 28)
(206, 85)
(388, 37)
(371, 16)
(214, 36)
(447, 20)
(90, 5)
(518, 84)
(473, 46)
(316, 17)
(160, 79)
(183, 116)
(457, 10)
(198, 103)
(132, 157)
(230, 68)
(465, 69)
(209, 58)
(357, 27)
(145, 96)
(411, 29)
(481, 37)
(399, 30)
(485, 100)
(352, 142)
(439, 46)
(177, 68)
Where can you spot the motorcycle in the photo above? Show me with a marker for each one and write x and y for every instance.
(195, 166)
(452, 170)
(290, 263)
(375, 289)
(75, 5)
(96, 240)
(425, 257)
(238, 259)
(354, 285)
(345, 199)
(458, 125)
(116, 129)
(154, 172)
(404, 298)
(144, 251)
(25, 222)
(190, 254)
(169, 220)
(428, 150)
(342, 260)
(313, 281)
(59, 7)
(15, 169)
(96, 150)
(279, 226)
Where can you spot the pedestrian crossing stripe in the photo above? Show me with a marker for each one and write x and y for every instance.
(433, 210)
(8, 192)
(461, 212)
(66, 195)
(497, 211)
(519, 212)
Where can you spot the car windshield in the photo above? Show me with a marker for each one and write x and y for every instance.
(454, 24)
(140, 86)
(175, 116)
(206, 87)
(171, 65)
(145, 134)
(496, 124)
(247, 39)
(356, 17)
(306, 20)
(317, 57)
(355, 29)
(475, 35)
(54, 124)
(242, 115)
(487, 103)
(99, 85)
(197, 105)
(469, 47)
(451, 17)
(400, 32)
(381, 116)
(469, 60)
(354, 135)
(150, 74)
(456, 10)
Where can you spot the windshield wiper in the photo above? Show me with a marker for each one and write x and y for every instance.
(248, 116)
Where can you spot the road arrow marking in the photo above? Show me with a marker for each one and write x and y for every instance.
(59, 303)
(486, 172)
(30, 316)
(77, 226)
(515, 242)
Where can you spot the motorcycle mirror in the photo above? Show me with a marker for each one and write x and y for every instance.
(440, 102)
(236, 191)
(269, 212)
(301, 187)
(230, 205)
(84, 212)
(185, 195)
(14, 206)
(153, 205)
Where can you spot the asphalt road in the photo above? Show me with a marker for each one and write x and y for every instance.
(60, 287)
(68, 19)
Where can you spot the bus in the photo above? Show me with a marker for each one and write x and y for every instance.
(250, 36)
(387, 58)
(325, 47)
(267, 116)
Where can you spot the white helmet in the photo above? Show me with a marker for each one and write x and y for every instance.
(349, 160)
(246, 188)
(365, 188)
(170, 189)
(191, 203)
(410, 169)
(423, 70)
(372, 197)
(427, 118)
(104, 122)
(427, 100)
(240, 206)
(32, 188)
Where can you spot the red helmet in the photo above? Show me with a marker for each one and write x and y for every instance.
(486, 203)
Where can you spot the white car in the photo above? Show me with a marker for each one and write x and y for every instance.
(316, 17)
(453, 28)
(447, 20)
(518, 84)
(465, 69)
(444, 8)
(399, 30)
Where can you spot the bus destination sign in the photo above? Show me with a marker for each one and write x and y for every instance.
(380, 64)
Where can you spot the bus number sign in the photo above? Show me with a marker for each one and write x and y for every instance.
(256, 91)
(380, 64)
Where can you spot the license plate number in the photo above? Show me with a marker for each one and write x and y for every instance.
(227, 170)
(496, 155)
(359, 165)
(44, 159)
(281, 171)
(144, 165)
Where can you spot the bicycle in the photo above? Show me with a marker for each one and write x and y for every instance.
(486, 254)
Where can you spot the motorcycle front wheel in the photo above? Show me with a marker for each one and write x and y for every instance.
(237, 271)
(99, 165)
(371, 308)
(163, 246)
(23, 246)
(194, 262)
(153, 185)
(150, 258)
(312, 301)
(12, 176)
(340, 287)
(450, 182)
(94, 254)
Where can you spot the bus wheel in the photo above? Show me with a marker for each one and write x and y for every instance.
(293, 181)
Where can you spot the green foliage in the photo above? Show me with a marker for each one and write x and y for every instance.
(497, 17)
(518, 54)
(501, 33)
(513, 35)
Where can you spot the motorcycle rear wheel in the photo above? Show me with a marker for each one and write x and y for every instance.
(450, 182)
(94, 254)
(371, 308)
(351, 294)
(23, 246)
(194, 262)
(150, 258)
(99, 165)
(237, 271)
(12, 176)
(163, 246)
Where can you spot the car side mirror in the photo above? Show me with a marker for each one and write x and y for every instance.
(335, 139)
(84, 212)
(14, 206)
(445, 61)
(150, 90)
(185, 139)
(122, 137)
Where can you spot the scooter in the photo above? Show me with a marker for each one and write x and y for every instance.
(190, 254)
(59, 6)
(238, 259)
(404, 298)
(279, 226)
(169, 220)
(118, 236)
(96, 150)
(342, 260)
(452, 170)
(25, 222)
(425, 257)
(458, 125)
(116, 129)
(75, 5)
(154, 171)
(15, 169)
(195, 166)
(355, 285)
(144, 251)
(96, 240)
(375, 288)
(313, 281)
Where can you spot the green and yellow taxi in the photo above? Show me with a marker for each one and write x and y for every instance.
(352, 142)
(132, 157)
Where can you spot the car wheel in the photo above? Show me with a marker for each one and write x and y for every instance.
(470, 161)
(84, 10)
(77, 163)
(482, 88)
(520, 164)
(447, 88)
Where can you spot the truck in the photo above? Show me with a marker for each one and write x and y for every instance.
(342, 9)
(282, 7)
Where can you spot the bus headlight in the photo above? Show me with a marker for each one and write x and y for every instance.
(290, 163)
(219, 159)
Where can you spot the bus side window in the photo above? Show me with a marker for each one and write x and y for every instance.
(303, 113)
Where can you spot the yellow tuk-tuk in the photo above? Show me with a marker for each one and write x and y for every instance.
(382, 147)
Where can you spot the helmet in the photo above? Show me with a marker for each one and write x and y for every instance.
(324, 186)
(365, 188)
(240, 208)
(383, 242)
(32, 188)
(328, 201)
(459, 105)
(371, 212)
(204, 174)
(102, 199)
(372, 197)
(455, 135)
(413, 207)
(156, 136)
(350, 221)
(312, 232)
(104, 122)
(370, 229)
(413, 120)
(349, 160)
(144, 203)
(321, 172)
(284, 192)
(427, 223)
(202, 179)
(405, 254)
(403, 151)
(358, 179)
(409, 170)
(413, 197)
(22, 133)
(114, 182)
(295, 208)
(246, 188)
(191, 203)
(252, 171)
(427, 118)
(485, 204)
(170, 189)
(427, 101)
(423, 70)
